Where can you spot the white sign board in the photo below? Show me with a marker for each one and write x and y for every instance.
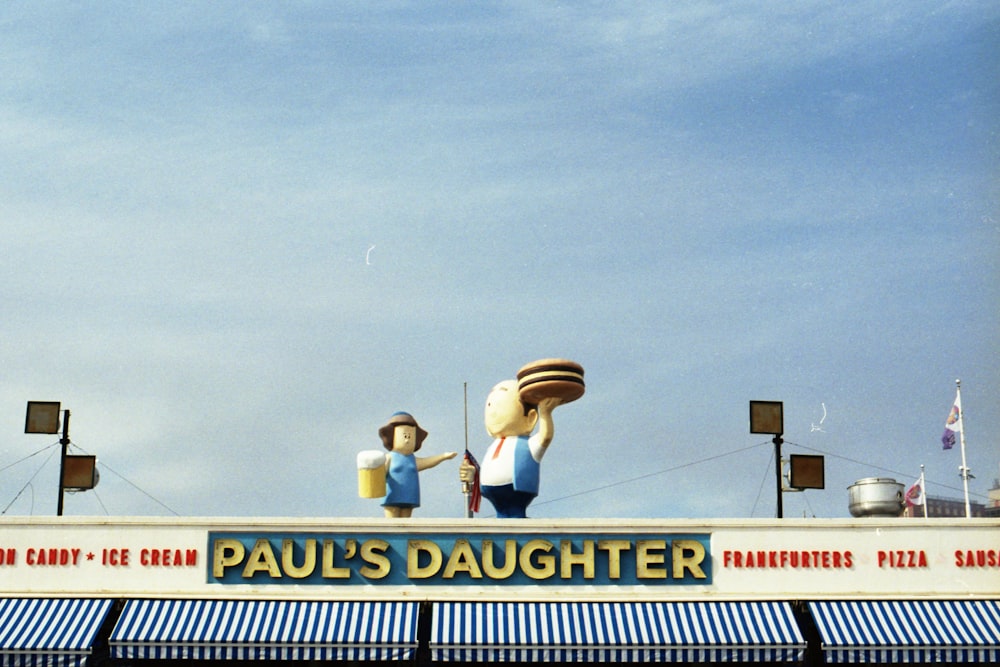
(501, 559)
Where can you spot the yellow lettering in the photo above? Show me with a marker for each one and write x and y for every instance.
(225, 553)
(462, 559)
(413, 550)
(614, 549)
(683, 561)
(329, 571)
(509, 563)
(288, 559)
(546, 564)
(647, 557)
(567, 559)
(261, 559)
(372, 552)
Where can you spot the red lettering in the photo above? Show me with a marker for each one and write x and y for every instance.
(115, 557)
(770, 559)
(49, 556)
(900, 558)
(8, 556)
(977, 558)
(175, 557)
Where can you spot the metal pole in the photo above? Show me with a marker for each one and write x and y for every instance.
(961, 439)
(777, 470)
(923, 489)
(466, 487)
(64, 441)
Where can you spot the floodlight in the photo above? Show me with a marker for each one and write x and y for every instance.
(42, 417)
(80, 472)
(806, 471)
(767, 417)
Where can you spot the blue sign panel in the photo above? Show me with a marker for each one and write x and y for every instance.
(564, 559)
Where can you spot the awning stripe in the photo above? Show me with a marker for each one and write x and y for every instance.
(268, 629)
(909, 630)
(609, 631)
(36, 631)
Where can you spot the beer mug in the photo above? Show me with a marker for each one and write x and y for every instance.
(371, 474)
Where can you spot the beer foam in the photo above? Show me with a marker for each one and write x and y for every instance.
(370, 459)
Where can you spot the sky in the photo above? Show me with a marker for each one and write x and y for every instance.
(238, 236)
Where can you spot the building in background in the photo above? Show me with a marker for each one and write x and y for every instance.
(993, 504)
(940, 508)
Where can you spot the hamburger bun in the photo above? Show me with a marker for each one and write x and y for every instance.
(550, 378)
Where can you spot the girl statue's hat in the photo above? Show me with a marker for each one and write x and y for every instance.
(400, 418)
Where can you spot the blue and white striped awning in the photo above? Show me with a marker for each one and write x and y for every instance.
(966, 631)
(49, 631)
(615, 632)
(265, 630)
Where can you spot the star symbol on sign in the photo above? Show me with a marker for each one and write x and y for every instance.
(90, 556)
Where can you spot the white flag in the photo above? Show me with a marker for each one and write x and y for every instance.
(915, 494)
(953, 424)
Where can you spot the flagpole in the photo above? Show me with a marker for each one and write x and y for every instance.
(923, 489)
(466, 486)
(964, 470)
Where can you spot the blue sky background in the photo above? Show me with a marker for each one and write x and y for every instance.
(238, 236)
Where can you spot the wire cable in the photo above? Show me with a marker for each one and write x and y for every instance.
(29, 456)
(29, 484)
(890, 470)
(650, 474)
(100, 502)
(117, 474)
(763, 481)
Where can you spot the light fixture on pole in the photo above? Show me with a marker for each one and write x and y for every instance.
(805, 471)
(76, 473)
(767, 417)
(43, 417)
